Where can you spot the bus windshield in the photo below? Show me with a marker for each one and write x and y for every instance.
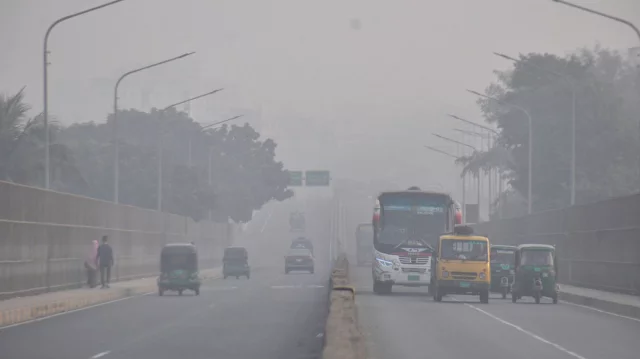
(412, 217)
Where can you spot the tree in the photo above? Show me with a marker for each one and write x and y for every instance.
(22, 149)
(244, 172)
(606, 127)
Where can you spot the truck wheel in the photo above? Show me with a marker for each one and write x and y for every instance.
(484, 296)
(437, 295)
(387, 288)
(377, 287)
(555, 299)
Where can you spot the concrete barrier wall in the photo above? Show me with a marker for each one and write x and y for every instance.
(45, 237)
(598, 244)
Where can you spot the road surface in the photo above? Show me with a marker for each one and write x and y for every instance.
(408, 324)
(271, 315)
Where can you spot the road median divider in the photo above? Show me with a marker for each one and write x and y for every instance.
(343, 338)
(20, 310)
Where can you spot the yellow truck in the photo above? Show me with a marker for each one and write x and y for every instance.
(462, 265)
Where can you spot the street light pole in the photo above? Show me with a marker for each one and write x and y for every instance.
(483, 137)
(610, 17)
(116, 155)
(491, 133)
(464, 177)
(206, 127)
(475, 150)
(160, 147)
(45, 83)
(573, 87)
(523, 110)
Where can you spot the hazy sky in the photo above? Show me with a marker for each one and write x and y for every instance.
(374, 77)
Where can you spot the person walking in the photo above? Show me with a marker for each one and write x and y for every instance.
(91, 264)
(105, 261)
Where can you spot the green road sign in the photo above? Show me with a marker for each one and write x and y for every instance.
(317, 178)
(295, 178)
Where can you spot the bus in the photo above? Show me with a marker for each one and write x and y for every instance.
(406, 228)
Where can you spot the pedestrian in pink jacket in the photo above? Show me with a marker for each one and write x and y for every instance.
(91, 264)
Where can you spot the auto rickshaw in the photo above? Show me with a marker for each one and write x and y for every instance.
(536, 272)
(179, 268)
(364, 244)
(502, 270)
(235, 263)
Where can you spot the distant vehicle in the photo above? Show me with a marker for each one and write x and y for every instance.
(235, 263)
(302, 243)
(364, 243)
(461, 265)
(299, 259)
(406, 227)
(297, 222)
(179, 268)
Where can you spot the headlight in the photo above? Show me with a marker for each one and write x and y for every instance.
(545, 275)
(384, 262)
(482, 275)
(512, 271)
(445, 274)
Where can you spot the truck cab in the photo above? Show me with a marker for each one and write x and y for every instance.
(461, 265)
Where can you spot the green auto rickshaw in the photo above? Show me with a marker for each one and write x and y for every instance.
(502, 270)
(536, 276)
(364, 244)
(179, 269)
(235, 263)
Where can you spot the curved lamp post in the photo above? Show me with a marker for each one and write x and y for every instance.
(45, 83)
(116, 155)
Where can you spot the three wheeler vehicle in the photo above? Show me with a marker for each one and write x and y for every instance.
(536, 272)
(179, 269)
(235, 263)
(502, 268)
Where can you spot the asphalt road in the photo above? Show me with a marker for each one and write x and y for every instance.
(408, 324)
(271, 315)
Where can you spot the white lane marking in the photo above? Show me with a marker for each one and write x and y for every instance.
(298, 286)
(74, 310)
(320, 335)
(601, 311)
(537, 337)
(100, 355)
(266, 221)
(216, 289)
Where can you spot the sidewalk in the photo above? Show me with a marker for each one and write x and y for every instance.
(18, 310)
(622, 304)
